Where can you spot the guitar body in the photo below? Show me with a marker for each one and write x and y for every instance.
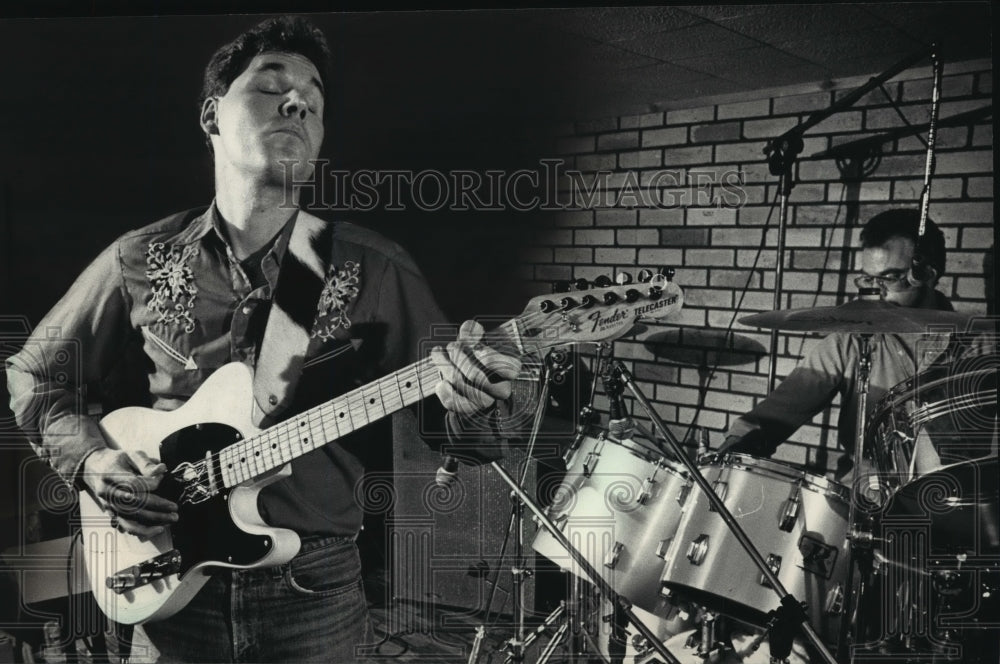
(224, 531)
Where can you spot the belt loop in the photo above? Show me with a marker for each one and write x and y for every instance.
(278, 571)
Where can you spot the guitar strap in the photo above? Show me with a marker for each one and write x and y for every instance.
(292, 316)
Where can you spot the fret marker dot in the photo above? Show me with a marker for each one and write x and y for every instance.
(256, 453)
(274, 446)
(407, 383)
(229, 466)
(371, 401)
(243, 460)
(340, 415)
(305, 440)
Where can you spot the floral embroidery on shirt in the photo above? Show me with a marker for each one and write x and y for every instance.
(340, 287)
(171, 282)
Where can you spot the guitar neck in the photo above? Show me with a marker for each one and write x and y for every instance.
(310, 430)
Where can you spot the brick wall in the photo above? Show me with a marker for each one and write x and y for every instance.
(705, 164)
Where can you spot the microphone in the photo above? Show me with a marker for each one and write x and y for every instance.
(447, 473)
(920, 273)
(620, 425)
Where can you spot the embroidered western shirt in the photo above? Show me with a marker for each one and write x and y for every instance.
(175, 292)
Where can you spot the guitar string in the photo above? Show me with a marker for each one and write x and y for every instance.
(421, 370)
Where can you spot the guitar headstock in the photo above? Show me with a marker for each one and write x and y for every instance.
(598, 311)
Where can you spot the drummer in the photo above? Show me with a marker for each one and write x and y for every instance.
(889, 242)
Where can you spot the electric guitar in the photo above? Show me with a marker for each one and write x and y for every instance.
(218, 461)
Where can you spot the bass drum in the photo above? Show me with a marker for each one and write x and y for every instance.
(618, 503)
(936, 590)
(796, 520)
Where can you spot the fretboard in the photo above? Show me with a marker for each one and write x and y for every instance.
(310, 430)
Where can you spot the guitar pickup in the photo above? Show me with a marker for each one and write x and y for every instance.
(145, 572)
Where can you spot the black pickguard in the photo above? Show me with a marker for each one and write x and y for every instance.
(205, 532)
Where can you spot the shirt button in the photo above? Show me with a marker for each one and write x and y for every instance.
(247, 309)
(273, 400)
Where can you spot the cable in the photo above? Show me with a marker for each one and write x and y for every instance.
(736, 312)
(902, 117)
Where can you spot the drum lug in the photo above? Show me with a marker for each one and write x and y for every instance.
(835, 600)
(790, 513)
(774, 563)
(611, 559)
(682, 493)
(720, 488)
(646, 491)
(698, 549)
(664, 546)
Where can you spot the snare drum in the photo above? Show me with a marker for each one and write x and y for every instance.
(796, 520)
(618, 502)
(937, 418)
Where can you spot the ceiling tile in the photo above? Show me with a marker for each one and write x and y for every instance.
(777, 22)
(615, 23)
(829, 49)
(701, 39)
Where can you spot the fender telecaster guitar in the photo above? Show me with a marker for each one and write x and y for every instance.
(218, 461)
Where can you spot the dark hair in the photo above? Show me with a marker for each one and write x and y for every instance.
(905, 222)
(285, 34)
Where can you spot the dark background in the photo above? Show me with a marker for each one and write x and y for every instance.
(100, 135)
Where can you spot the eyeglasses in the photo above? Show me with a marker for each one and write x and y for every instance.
(891, 282)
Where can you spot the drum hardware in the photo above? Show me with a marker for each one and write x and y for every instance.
(589, 571)
(515, 525)
(790, 513)
(792, 610)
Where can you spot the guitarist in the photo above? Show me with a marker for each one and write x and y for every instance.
(315, 308)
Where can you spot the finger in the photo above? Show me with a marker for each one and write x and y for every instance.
(454, 401)
(147, 465)
(136, 494)
(471, 371)
(500, 369)
(446, 368)
(470, 332)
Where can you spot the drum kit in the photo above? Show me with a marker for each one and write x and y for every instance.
(733, 558)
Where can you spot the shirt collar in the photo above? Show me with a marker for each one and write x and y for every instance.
(211, 220)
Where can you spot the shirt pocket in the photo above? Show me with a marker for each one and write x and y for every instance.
(179, 355)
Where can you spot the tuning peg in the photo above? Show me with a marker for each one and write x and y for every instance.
(623, 278)
(581, 284)
(603, 281)
(567, 303)
(655, 292)
(588, 301)
(645, 275)
(631, 295)
(610, 297)
(547, 306)
(560, 286)
(667, 272)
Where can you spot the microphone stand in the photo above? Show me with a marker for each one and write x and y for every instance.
(516, 525)
(790, 612)
(781, 153)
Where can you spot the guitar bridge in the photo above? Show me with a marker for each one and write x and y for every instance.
(145, 572)
(197, 479)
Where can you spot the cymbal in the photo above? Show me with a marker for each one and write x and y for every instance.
(704, 348)
(859, 317)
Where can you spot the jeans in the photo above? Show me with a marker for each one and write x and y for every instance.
(311, 609)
